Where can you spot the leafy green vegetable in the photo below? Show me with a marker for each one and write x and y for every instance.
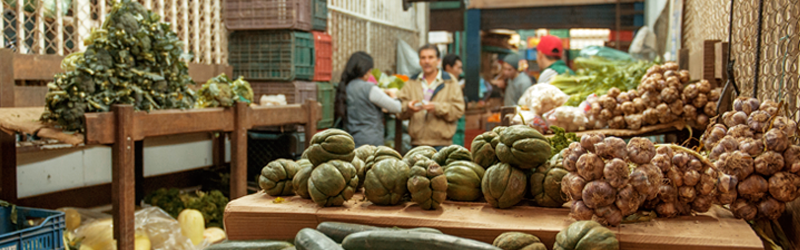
(132, 59)
(220, 91)
(211, 204)
(561, 139)
(597, 75)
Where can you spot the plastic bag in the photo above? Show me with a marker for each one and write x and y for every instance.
(541, 98)
(528, 117)
(605, 52)
(570, 118)
(154, 228)
(407, 59)
(272, 100)
(643, 46)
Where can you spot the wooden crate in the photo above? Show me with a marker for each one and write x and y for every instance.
(258, 216)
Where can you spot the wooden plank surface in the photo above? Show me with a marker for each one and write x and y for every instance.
(100, 126)
(200, 73)
(257, 216)
(276, 115)
(36, 67)
(29, 96)
(503, 4)
(6, 78)
(122, 173)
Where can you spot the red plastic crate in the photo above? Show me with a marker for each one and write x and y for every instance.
(323, 56)
(624, 35)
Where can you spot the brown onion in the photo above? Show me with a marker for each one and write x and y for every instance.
(669, 95)
(613, 92)
(746, 105)
(663, 162)
(703, 86)
(628, 108)
(769, 163)
(750, 146)
(580, 211)
(700, 101)
(618, 111)
(702, 203)
(686, 194)
(714, 135)
(667, 210)
(714, 95)
(611, 147)
(787, 125)
(667, 193)
(707, 184)
(627, 200)
(689, 112)
(691, 178)
(632, 94)
(771, 208)
(736, 163)
(598, 194)
(725, 145)
(782, 186)
(661, 85)
(694, 164)
(791, 158)
(676, 107)
(623, 97)
(670, 74)
(702, 121)
(776, 140)
(590, 167)
(606, 115)
(618, 122)
(758, 120)
(680, 160)
(650, 116)
(574, 153)
(690, 92)
(640, 150)
(710, 109)
(616, 173)
(684, 76)
(744, 210)
(588, 141)
(753, 188)
(740, 131)
(735, 119)
(596, 108)
(675, 176)
(665, 151)
(639, 104)
(769, 106)
(572, 185)
(634, 121)
(727, 183)
(727, 198)
(609, 215)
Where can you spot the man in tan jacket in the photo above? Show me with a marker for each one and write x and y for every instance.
(433, 101)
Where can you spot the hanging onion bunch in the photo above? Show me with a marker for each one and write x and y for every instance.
(608, 179)
(759, 166)
(692, 183)
(699, 103)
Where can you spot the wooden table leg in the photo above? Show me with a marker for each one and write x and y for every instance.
(123, 180)
(8, 167)
(311, 125)
(239, 151)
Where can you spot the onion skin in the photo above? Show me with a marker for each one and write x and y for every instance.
(691, 178)
(588, 141)
(727, 183)
(580, 211)
(667, 193)
(751, 146)
(686, 194)
(744, 210)
(675, 176)
(776, 140)
(667, 210)
(611, 148)
(791, 158)
(680, 160)
(753, 188)
(663, 162)
(598, 194)
(782, 186)
(572, 185)
(740, 131)
(768, 163)
(758, 120)
(736, 163)
(590, 167)
(627, 200)
(665, 151)
(676, 107)
(574, 152)
(703, 203)
(771, 208)
(727, 198)
(695, 165)
(616, 173)
(640, 150)
(609, 215)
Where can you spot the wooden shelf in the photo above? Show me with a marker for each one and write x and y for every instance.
(256, 216)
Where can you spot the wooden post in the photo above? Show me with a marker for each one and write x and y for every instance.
(239, 151)
(218, 147)
(122, 177)
(725, 58)
(311, 124)
(8, 147)
(709, 62)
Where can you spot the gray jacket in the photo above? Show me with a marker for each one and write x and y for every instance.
(364, 114)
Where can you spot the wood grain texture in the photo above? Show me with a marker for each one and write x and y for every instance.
(99, 126)
(276, 115)
(123, 177)
(239, 151)
(29, 96)
(503, 4)
(6, 78)
(200, 73)
(256, 216)
(36, 67)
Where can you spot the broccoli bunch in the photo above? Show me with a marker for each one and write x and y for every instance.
(211, 204)
(220, 91)
(132, 59)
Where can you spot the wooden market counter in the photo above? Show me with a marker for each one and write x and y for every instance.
(258, 216)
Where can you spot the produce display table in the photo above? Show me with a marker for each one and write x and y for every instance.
(259, 216)
(643, 131)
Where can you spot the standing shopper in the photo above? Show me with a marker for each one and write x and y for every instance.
(433, 102)
(516, 80)
(359, 103)
(452, 64)
(548, 56)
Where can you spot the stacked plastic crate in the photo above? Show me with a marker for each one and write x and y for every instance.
(281, 47)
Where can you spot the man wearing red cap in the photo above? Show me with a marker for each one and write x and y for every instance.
(548, 57)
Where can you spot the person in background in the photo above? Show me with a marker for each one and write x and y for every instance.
(358, 103)
(432, 101)
(452, 64)
(548, 56)
(516, 83)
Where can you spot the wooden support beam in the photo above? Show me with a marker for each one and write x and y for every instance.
(239, 151)
(100, 126)
(710, 61)
(6, 78)
(472, 62)
(122, 174)
(8, 148)
(311, 124)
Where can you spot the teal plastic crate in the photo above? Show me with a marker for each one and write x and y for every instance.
(272, 55)
(319, 9)
(325, 96)
(47, 235)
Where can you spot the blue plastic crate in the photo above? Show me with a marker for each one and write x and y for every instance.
(639, 6)
(48, 235)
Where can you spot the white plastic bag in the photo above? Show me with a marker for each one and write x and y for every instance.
(541, 98)
(570, 119)
(154, 227)
(272, 100)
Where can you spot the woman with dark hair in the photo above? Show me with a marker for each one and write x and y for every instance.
(359, 104)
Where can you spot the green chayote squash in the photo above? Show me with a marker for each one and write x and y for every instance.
(332, 183)
(523, 147)
(417, 153)
(503, 185)
(386, 182)
(482, 150)
(360, 171)
(365, 151)
(331, 144)
(518, 241)
(464, 180)
(450, 154)
(545, 183)
(300, 180)
(586, 235)
(427, 184)
(381, 153)
(276, 177)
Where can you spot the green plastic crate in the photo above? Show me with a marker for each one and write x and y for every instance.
(560, 33)
(319, 10)
(326, 96)
(272, 55)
